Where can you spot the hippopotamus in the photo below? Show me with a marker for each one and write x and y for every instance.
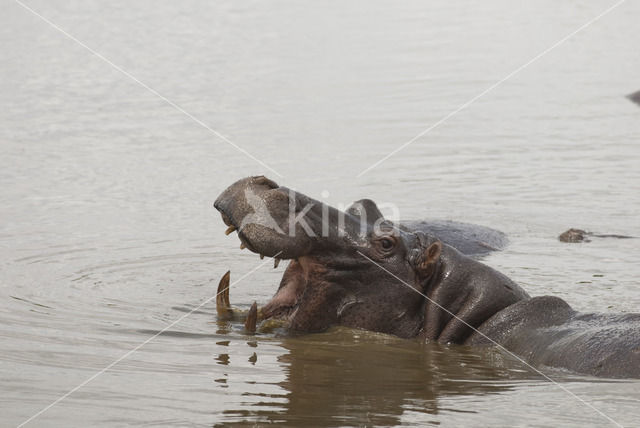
(419, 279)
(579, 235)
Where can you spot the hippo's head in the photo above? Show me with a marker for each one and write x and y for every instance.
(350, 268)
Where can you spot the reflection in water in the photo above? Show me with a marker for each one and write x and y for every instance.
(355, 377)
(223, 359)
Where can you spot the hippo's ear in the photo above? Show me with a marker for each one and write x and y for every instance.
(366, 210)
(430, 259)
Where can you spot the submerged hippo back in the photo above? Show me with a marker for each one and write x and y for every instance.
(469, 239)
(546, 331)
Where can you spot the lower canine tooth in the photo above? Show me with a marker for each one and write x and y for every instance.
(276, 262)
(222, 297)
(261, 256)
(252, 318)
(242, 246)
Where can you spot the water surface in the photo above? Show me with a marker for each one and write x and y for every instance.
(108, 235)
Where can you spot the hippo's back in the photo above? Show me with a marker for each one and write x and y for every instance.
(469, 239)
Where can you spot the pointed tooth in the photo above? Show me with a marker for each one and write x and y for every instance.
(252, 318)
(261, 256)
(222, 297)
(276, 262)
(230, 229)
(242, 246)
(226, 297)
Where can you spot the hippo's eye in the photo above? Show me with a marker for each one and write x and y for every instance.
(387, 243)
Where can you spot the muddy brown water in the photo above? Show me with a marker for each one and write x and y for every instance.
(108, 234)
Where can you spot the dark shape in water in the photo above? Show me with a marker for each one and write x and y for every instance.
(579, 235)
(635, 97)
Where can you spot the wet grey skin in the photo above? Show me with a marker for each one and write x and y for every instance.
(413, 280)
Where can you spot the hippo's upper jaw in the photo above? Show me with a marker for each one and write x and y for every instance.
(278, 222)
(257, 208)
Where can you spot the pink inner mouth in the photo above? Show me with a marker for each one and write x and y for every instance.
(286, 299)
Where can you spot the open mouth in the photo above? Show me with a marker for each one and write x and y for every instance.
(283, 305)
(278, 222)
